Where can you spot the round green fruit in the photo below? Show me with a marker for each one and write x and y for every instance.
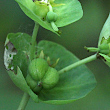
(51, 16)
(32, 83)
(40, 9)
(104, 48)
(37, 68)
(50, 79)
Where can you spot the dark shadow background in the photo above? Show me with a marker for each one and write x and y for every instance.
(84, 32)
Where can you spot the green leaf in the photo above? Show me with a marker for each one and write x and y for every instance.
(107, 58)
(74, 84)
(67, 14)
(105, 38)
(21, 42)
(19, 80)
(105, 30)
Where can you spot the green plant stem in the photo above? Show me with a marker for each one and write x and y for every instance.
(74, 65)
(53, 23)
(54, 26)
(32, 47)
(33, 41)
(50, 8)
(24, 101)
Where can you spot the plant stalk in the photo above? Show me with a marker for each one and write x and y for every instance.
(32, 47)
(55, 28)
(74, 65)
(24, 101)
(33, 41)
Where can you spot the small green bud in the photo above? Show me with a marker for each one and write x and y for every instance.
(104, 48)
(51, 17)
(37, 68)
(54, 64)
(41, 54)
(50, 79)
(48, 60)
(92, 49)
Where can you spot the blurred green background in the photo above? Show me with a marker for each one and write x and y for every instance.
(74, 37)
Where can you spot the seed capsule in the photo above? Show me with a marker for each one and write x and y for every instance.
(51, 16)
(32, 83)
(50, 79)
(41, 75)
(37, 68)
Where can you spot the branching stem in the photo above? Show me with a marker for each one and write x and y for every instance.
(74, 65)
(24, 101)
(33, 41)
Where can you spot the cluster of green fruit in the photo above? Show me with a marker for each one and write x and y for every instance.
(41, 75)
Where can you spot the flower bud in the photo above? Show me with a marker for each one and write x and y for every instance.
(104, 48)
(50, 79)
(51, 16)
(37, 68)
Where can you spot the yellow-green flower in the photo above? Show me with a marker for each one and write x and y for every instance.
(67, 11)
